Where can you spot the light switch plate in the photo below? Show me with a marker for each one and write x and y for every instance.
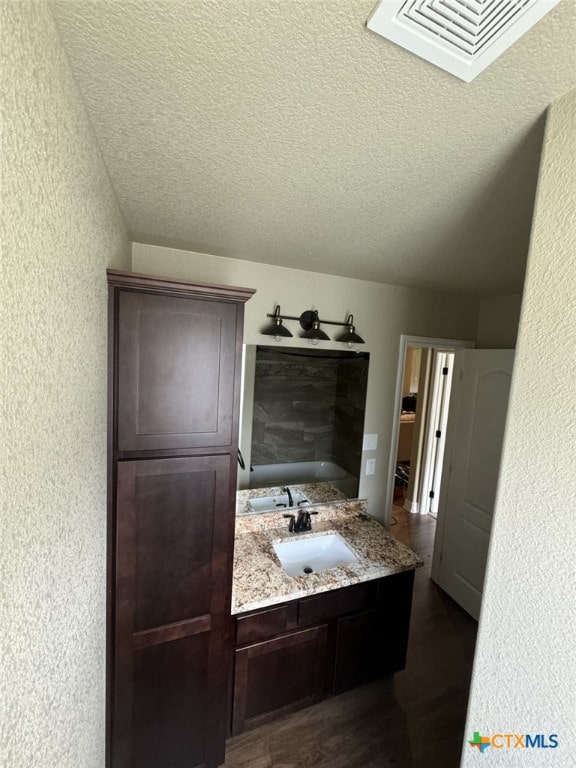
(371, 466)
(370, 442)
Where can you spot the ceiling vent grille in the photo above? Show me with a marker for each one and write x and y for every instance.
(461, 36)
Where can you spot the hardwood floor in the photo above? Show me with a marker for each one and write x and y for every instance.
(413, 720)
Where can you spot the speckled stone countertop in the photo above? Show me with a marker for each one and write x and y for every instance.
(318, 493)
(260, 580)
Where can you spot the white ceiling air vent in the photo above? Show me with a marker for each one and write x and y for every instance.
(460, 36)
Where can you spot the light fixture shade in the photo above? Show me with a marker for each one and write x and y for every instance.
(350, 336)
(275, 328)
(315, 333)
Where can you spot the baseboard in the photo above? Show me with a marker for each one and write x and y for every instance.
(411, 506)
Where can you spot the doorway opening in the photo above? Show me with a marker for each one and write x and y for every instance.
(423, 387)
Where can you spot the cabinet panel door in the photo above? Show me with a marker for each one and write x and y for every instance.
(278, 676)
(171, 626)
(374, 643)
(362, 649)
(171, 692)
(176, 360)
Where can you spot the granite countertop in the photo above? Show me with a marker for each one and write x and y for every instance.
(260, 580)
(318, 493)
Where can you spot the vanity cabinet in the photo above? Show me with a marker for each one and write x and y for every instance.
(175, 351)
(359, 634)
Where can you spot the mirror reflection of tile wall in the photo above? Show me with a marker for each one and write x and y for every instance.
(309, 406)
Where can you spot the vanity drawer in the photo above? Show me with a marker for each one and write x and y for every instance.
(329, 605)
(265, 623)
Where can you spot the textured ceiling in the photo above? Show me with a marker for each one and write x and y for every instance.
(285, 132)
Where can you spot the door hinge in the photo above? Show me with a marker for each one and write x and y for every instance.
(444, 371)
(438, 433)
(431, 495)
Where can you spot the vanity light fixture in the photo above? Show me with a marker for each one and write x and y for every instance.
(275, 328)
(310, 323)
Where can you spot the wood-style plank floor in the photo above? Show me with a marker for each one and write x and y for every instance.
(413, 720)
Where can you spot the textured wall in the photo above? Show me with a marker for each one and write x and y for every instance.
(525, 667)
(381, 314)
(61, 228)
(498, 322)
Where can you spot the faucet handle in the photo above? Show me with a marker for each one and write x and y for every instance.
(292, 522)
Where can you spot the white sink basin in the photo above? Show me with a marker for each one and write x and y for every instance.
(314, 553)
(275, 502)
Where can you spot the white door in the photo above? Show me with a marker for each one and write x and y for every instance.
(475, 432)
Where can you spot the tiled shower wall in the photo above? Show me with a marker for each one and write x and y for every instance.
(308, 409)
(349, 413)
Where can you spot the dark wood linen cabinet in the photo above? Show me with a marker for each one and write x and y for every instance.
(175, 353)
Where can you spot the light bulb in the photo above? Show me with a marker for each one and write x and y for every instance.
(277, 338)
(314, 341)
(349, 345)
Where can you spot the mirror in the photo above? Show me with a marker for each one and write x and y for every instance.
(303, 419)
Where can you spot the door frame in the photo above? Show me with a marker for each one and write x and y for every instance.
(405, 342)
(436, 419)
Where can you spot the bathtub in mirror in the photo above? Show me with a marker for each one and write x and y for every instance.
(304, 472)
(302, 419)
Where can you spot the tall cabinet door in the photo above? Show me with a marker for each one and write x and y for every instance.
(176, 363)
(172, 588)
